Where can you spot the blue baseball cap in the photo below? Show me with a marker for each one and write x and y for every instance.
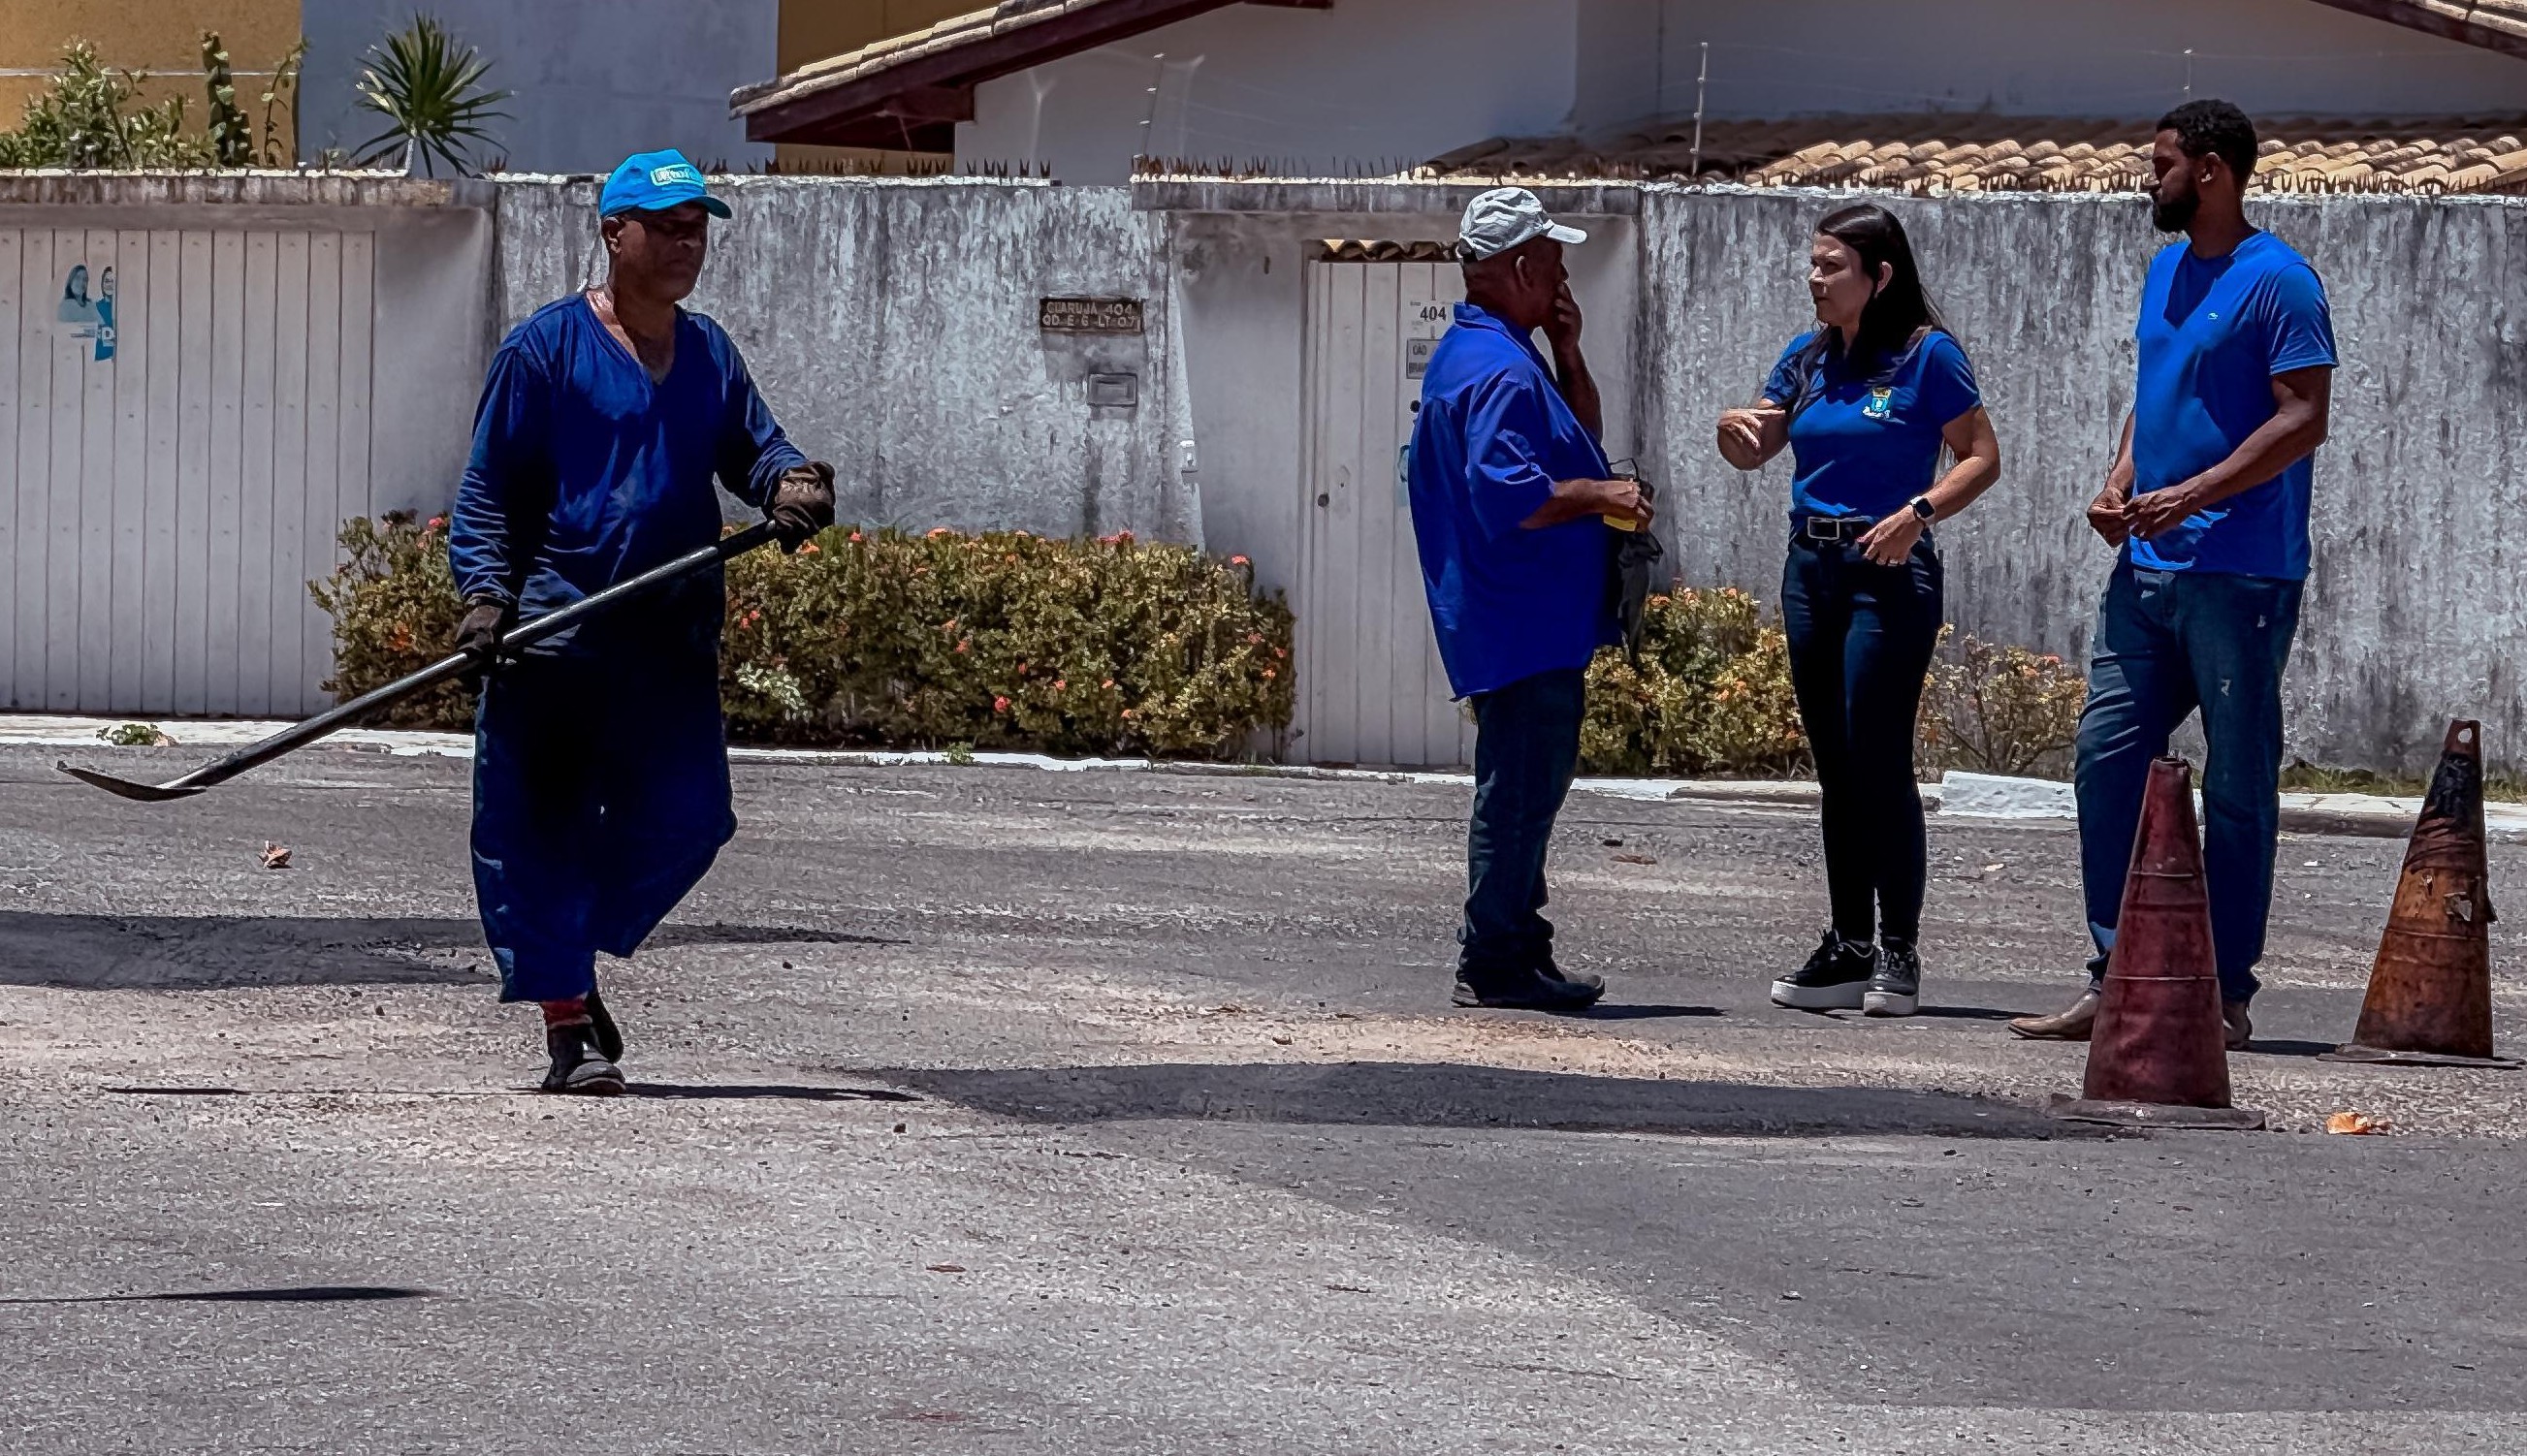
(654, 181)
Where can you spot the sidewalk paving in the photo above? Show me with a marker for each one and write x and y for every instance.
(1976, 795)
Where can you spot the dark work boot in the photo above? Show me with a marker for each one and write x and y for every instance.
(1834, 978)
(609, 1038)
(1544, 990)
(579, 1066)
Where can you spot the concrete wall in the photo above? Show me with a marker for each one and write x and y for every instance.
(892, 326)
(2412, 610)
(592, 81)
(1373, 83)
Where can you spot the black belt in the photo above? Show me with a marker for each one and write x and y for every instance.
(1833, 530)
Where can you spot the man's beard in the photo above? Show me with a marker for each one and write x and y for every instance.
(2175, 215)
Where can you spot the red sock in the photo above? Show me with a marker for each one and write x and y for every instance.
(570, 1013)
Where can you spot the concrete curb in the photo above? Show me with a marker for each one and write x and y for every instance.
(1960, 794)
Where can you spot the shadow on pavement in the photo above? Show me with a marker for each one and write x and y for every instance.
(1412, 1095)
(216, 952)
(294, 1294)
(669, 1089)
(1604, 1013)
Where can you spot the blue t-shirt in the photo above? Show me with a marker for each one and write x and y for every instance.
(586, 473)
(1868, 439)
(1493, 436)
(2213, 333)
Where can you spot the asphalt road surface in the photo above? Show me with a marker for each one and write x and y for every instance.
(1004, 1111)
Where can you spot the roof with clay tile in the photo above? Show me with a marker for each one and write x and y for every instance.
(1936, 155)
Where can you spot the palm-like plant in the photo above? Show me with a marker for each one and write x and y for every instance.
(429, 87)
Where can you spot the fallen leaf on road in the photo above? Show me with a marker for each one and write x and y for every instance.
(946, 1268)
(1614, 843)
(1280, 1041)
(1993, 869)
(276, 856)
(2357, 1124)
(1635, 859)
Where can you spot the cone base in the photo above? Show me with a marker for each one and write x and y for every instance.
(2379, 1056)
(2154, 1114)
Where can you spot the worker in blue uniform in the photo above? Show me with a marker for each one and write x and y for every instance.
(600, 771)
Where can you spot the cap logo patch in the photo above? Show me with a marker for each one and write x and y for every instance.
(668, 176)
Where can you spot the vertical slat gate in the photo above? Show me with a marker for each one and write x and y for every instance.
(185, 424)
(1373, 691)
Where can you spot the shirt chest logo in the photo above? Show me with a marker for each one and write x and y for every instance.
(1881, 404)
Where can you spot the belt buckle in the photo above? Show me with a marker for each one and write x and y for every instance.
(1835, 528)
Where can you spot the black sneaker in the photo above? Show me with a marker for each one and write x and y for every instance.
(578, 1065)
(1530, 990)
(1834, 978)
(609, 1037)
(1896, 988)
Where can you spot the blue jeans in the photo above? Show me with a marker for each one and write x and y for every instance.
(1861, 637)
(1526, 749)
(2169, 642)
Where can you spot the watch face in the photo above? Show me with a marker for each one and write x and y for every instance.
(1924, 509)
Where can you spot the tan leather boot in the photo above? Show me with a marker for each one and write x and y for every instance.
(2063, 1026)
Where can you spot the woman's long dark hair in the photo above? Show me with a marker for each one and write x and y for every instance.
(1896, 320)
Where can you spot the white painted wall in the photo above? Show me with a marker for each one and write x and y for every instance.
(594, 80)
(1372, 84)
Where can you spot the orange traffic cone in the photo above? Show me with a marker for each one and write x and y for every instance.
(2158, 1056)
(2430, 990)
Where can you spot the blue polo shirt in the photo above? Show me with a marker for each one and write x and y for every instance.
(2213, 333)
(1866, 440)
(1493, 436)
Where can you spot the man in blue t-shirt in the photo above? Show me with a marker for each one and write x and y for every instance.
(1509, 498)
(2208, 500)
(600, 776)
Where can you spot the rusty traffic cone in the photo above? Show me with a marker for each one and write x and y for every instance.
(2430, 990)
(2159, 1055)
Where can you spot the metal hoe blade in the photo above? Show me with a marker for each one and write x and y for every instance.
(147, 793)
(298, 735)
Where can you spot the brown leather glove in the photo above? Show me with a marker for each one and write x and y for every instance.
(479, 632)
(802, 504)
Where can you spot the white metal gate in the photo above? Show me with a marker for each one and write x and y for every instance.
(1370, 686)
(183, 426)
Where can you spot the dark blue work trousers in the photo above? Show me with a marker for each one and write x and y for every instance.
(1527, 750)
(600, 798)
(2166, 643)
(1861, 637)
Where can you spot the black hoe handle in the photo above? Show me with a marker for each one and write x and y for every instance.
(299, 734)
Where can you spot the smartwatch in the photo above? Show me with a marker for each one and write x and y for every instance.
(1923, 509)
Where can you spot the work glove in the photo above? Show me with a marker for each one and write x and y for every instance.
(802, 504)
(479, 630)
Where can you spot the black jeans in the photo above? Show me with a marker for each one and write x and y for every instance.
(1861, 637)
(1527, 749)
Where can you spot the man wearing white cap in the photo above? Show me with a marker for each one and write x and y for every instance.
(1509, 484)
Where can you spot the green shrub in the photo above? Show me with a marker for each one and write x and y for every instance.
(1711, 696)
(2000, 710)
(394, 608)
(999, 642)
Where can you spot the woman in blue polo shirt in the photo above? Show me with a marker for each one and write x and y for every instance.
(1865, 402)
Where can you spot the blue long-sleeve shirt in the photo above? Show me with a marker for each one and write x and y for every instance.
(586, 473)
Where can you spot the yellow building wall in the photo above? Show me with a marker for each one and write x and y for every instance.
(163, 37)
(813, 30)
